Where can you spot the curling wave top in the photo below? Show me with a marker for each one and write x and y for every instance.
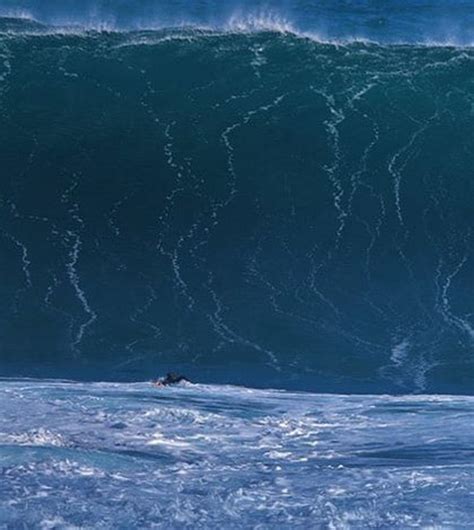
(390, 21)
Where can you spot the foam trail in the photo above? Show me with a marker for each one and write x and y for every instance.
(74, 278)
(447, 313)
(75, 244)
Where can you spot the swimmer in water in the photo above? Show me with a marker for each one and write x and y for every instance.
(171, 378)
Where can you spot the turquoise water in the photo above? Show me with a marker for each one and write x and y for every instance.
(252, 207)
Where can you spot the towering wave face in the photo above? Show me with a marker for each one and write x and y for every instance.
(248, 206)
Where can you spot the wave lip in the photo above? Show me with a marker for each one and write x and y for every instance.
(432, 24)
(25, 24)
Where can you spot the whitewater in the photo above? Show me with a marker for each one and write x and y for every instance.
(105, 455)
(390, 21)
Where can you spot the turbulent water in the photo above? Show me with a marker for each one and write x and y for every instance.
(128, 455)
(253, 207)
(393, 21)
(271, 194)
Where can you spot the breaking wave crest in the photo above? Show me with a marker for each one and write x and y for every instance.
(439, 23)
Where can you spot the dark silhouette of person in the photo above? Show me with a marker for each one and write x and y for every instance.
(171, 378)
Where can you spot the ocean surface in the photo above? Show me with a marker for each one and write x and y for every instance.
(108, 455)
(263, 194)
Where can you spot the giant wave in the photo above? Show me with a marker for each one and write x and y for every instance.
(252, 207)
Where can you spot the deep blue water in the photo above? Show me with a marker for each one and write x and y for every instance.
(248, 206)
(265, 194)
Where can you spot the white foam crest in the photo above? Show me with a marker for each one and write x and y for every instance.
(56, 521)
(160, 439)
(238, 22)
(16, 12)
(262, 21)
(41, 438)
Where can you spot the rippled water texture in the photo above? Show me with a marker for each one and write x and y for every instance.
(252, 207)
(127, 455)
